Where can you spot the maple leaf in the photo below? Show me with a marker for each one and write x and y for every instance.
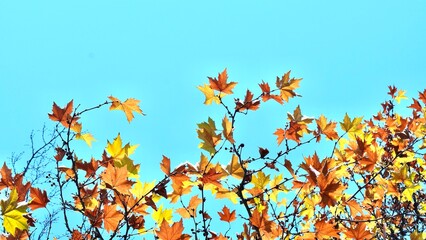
(260, 220)
(90, 167)
(227, 131)
(263, 152)
(6, 177)
(234, 168)
(287, 86)
(392, 91)
(60, 153)
(326, 230)
(63, 115)
(400, 96)
(329, 189)
(165, 165)
(288, 165)
(194, 202)
(220, 83)
(359, 232)
(227, 216)
(39, 198)
(112, 217)
(280, 133)
(349, 125)
(298, 117)
(87, 137)
(137, 222)
(173, 232)
(117, 178)
(13, 213)
(117, 150)
(248, 103)
(127, 106)
(328, 129)
(422, 96)
(209, 94)
(266, 93)
(161, 214)
(206, 132)
(260, 180)
(294, 132)
(212, 177)
(416, 105)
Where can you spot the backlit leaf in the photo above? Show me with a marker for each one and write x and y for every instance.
(173, 232)
(117, 178)
(234, 168)
(400, 96)
(220, 84)
(112, 217)
(13, 213)
(227, 216)
(165, 165)
(87, 137)
(227, 130)
(128, 107)
(39, 198)
(162, 215)
(209, 94)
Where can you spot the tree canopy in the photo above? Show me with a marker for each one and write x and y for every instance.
(370, 184)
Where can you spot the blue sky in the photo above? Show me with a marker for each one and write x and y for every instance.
(159, 51)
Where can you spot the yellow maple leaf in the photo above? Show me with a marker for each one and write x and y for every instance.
(349, 125)
(162, 214)
(127, 106)
(234, 168)
(13, 213)
(309, 204)
(87, 137)
(206, 132)
(260, 180)
(140, 189)
(400, 96)
(210, 95)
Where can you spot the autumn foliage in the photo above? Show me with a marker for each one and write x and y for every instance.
(369, 185)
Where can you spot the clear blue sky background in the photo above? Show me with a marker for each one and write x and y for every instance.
(159, 51)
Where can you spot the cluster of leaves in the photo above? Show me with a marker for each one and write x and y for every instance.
(371, 185)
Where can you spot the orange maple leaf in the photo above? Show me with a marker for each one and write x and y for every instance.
(227, 216)
(165, 165)
(173, 232)
(127, 106)
(359, 232)
(112, 217)
(294, 132)
(212, 177)
(266, 93)
(328, 129)
(63, 115)
(260, 220)
(117, 178)
(248, 103)
(287, 86)
(325, 230)
(220, 83)
(39, 198)
(422, 96)
(89, 167)
(6, 177)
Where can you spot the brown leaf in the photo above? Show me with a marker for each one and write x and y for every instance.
(39, 198)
